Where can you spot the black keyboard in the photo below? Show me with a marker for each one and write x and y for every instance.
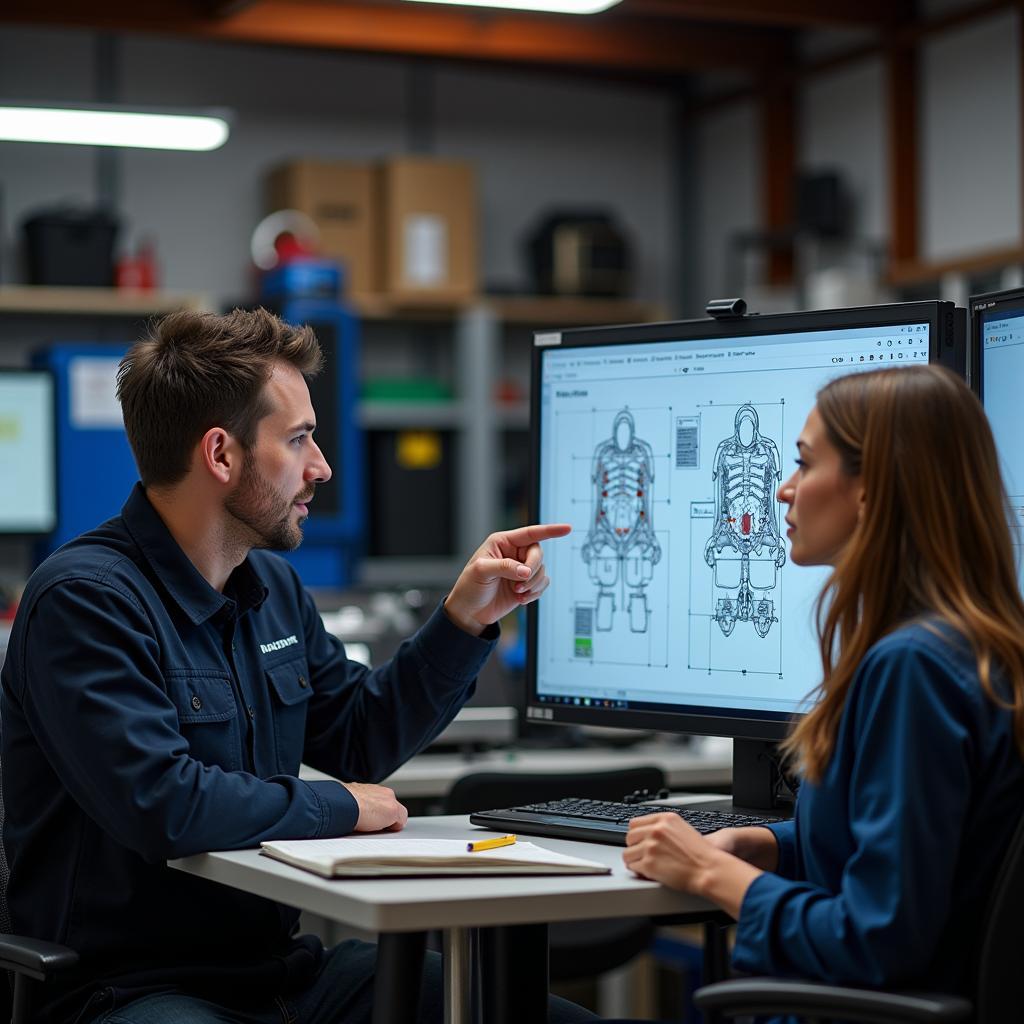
(602, 821)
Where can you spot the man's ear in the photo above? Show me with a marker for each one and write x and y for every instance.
(220, 455)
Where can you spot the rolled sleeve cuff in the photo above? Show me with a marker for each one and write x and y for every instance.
(752, 949)
(785, 836)
(339, 811)
(452, 651)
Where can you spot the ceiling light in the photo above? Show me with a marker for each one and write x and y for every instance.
(548, 6)
(113, 126)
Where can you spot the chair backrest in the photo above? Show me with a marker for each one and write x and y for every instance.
(999, 995)
(5, 874)
(6, 993)
(484, 791)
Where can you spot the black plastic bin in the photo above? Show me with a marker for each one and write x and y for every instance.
(410, 504)
(71, 247)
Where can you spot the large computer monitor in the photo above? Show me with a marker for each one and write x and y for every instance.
(674, 605)
(28, 498)
(997, 375)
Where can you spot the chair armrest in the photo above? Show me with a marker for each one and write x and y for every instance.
(33, 957)
(772, 995)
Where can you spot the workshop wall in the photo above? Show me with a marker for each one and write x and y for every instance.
(971, 141)
(969, 145)
(728, 168)
(538, 140)
(843, 127)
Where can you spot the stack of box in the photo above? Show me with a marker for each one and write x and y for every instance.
(404, 228)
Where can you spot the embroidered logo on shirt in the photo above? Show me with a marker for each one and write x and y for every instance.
(276, 645)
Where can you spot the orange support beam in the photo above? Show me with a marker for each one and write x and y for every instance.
(904, 157)
(610, 41)
(778, 168)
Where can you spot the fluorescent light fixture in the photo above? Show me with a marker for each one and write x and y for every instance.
(548, 6)
(113, 126)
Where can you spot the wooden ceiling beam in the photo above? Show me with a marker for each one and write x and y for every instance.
(904, 167)
(634, 44)
(778, 117)
(612, 41)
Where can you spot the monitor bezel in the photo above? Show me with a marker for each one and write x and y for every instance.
(940, 317)
(34, 371)
(980, 306)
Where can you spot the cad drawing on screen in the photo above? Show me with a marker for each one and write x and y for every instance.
(621, 549)
(745, 549)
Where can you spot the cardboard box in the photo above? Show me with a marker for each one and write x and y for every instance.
(341, 198)
(429, 219)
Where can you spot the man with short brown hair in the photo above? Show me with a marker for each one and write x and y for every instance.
(166, 675)
(198, 369)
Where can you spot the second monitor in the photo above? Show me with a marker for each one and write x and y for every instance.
(997, 375)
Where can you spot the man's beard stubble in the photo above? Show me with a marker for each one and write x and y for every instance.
(264, 512)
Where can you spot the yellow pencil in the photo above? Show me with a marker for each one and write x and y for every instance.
(490, 844)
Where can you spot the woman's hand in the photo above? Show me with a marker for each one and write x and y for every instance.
(755, 844)
(664, 848)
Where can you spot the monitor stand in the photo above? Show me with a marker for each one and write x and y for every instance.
(755, 781)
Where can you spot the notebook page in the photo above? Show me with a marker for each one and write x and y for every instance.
(398, 849)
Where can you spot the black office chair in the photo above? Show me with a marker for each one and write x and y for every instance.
(998, 994)
(23, 961)
(579, 949)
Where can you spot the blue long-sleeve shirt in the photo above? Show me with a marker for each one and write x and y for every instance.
(885, 870)
(147, 716)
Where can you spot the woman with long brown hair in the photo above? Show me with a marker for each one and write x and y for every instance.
(912, 758)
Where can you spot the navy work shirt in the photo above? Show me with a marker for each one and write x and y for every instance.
(885, 871)
(146, 716)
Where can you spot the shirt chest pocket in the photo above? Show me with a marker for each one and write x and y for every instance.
(290, 693)
(207, 717)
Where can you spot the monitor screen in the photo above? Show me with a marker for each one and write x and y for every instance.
(997, 373)
(674, 603)
(28, 501)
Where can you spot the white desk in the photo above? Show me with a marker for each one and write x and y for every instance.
(396, 907)
(706, 765)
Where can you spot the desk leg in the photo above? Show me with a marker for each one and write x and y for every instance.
(716, 961)
(399, 977)
(457, 965)
(514, 973)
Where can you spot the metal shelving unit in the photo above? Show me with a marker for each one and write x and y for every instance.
(477, 338)
(476, 333)
(89, 302)
(377, 415)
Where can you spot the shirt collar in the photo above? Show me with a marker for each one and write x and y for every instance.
(176, 571)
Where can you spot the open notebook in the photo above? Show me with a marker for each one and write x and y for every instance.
(402, 855)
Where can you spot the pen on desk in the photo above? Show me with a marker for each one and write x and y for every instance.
(490, 844)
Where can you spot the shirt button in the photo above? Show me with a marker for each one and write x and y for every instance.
(252, 714)
(302, 682)
(232, 647)
(196, 703)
